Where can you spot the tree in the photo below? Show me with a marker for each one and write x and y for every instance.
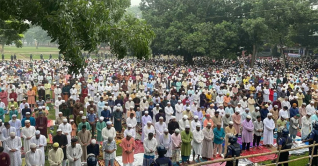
(11, 33)
(81, 25)
(36, 34)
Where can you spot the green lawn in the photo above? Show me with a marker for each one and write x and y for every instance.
(24, 52)
(301, 162)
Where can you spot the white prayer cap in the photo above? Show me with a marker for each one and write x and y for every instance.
(60, 112)
(32, 145)
(26, 121)
(304, 103)
(131, 106)
(109, 122)
(173, 117)
(237, 111)
(65, 120)
(285, 116)
(146, 108)
(129, 134)
(58, 130)
(93, 141)
(105, 107)
(244, 97)
(160, 117)
(247, 109)
(196, 117)
(248, 117)
(198, 125)
(312, 102)
(168, 103)
(146, 112)
(130, 98)
(185, 117)
(81, 112)
(27, 113)
(179, 101)
(91, 109)
(106, 102)
(308, 113)
(238, 103)
(165, 130)
(257, 108)
(269, 114)
(12, 134)
(14, 115)
(101, 118)
(157, 104)
(208, 124)
(187, 126)
(231, 122)
(83, 117)
(177, 130)
(129, 125)
(71, 120)
(149, 122)
(37, 132)
(275, 106)
(188, 108)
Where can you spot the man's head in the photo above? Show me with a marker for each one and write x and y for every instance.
(248, 118)
(198, 127)
(73, 142)
(231, 124)
(27, 123)
(177, 131)
(161, 119)
(7, 125)
(64, 121)
(56, 146)
(150, 136)
(83, 119)
(297, 116)
(269, 115)
(83, 128)
(109, 139)
(166, 131)
(109, 124)
(187, 128)
(12, 135)
(37, 134)
(218, 125)
(33, 147)
(93, 141)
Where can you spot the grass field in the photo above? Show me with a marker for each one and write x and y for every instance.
(24, 52)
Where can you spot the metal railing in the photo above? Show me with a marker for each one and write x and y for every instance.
(233, 159)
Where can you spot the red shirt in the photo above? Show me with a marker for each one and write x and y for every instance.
(4, 159)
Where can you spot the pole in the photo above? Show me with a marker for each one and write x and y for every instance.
(312, 153)
(278, 154)
(234, 160)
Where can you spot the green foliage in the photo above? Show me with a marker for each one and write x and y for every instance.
(11, 32)
(80, 25)
(135, 11)
(220, 28)
(36, 34)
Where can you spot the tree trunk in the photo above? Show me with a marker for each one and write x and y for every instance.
(37, 45)
(188, 59)
(2, 47)
(253, 55)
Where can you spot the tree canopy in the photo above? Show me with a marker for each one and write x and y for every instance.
(220, 28)
(80, 25)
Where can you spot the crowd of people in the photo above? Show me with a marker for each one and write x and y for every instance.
(187, 109)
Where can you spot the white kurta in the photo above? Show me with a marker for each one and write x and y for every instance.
(17, 125)
(131, 131)
(159, 129)
(169, 113)
(166, 141)
(132, 121)
(150, 145)
(57, 92)
(305, 127)
(182, 124)
(6, 132)
(73, 93)
(66, 130)
(57, 104)
(72, 153)
(34, 158)
(15, 157)
(27, 132)
(55, 157)
(179, 109)
(197, 141)
(108, 133)
(40, 142)
(269, 126)
(194, 125)
(146, 131)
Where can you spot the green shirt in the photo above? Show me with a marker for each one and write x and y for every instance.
(88, 126)
(280, 125)
(186, 143)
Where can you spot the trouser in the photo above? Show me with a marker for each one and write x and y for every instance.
(128, 164)
(247, 146)
(93, 129)
(283, 157)
(256, 140)
(185, 158)
(64, 162)
(230, 163)
(279, 134)
(109, 162)
(293, 137)
(217, 148)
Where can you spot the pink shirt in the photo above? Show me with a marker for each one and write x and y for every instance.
(176, 140)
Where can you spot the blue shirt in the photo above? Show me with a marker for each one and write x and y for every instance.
(32, 121)
(106, 114)
(293, 111)
(91, 117)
